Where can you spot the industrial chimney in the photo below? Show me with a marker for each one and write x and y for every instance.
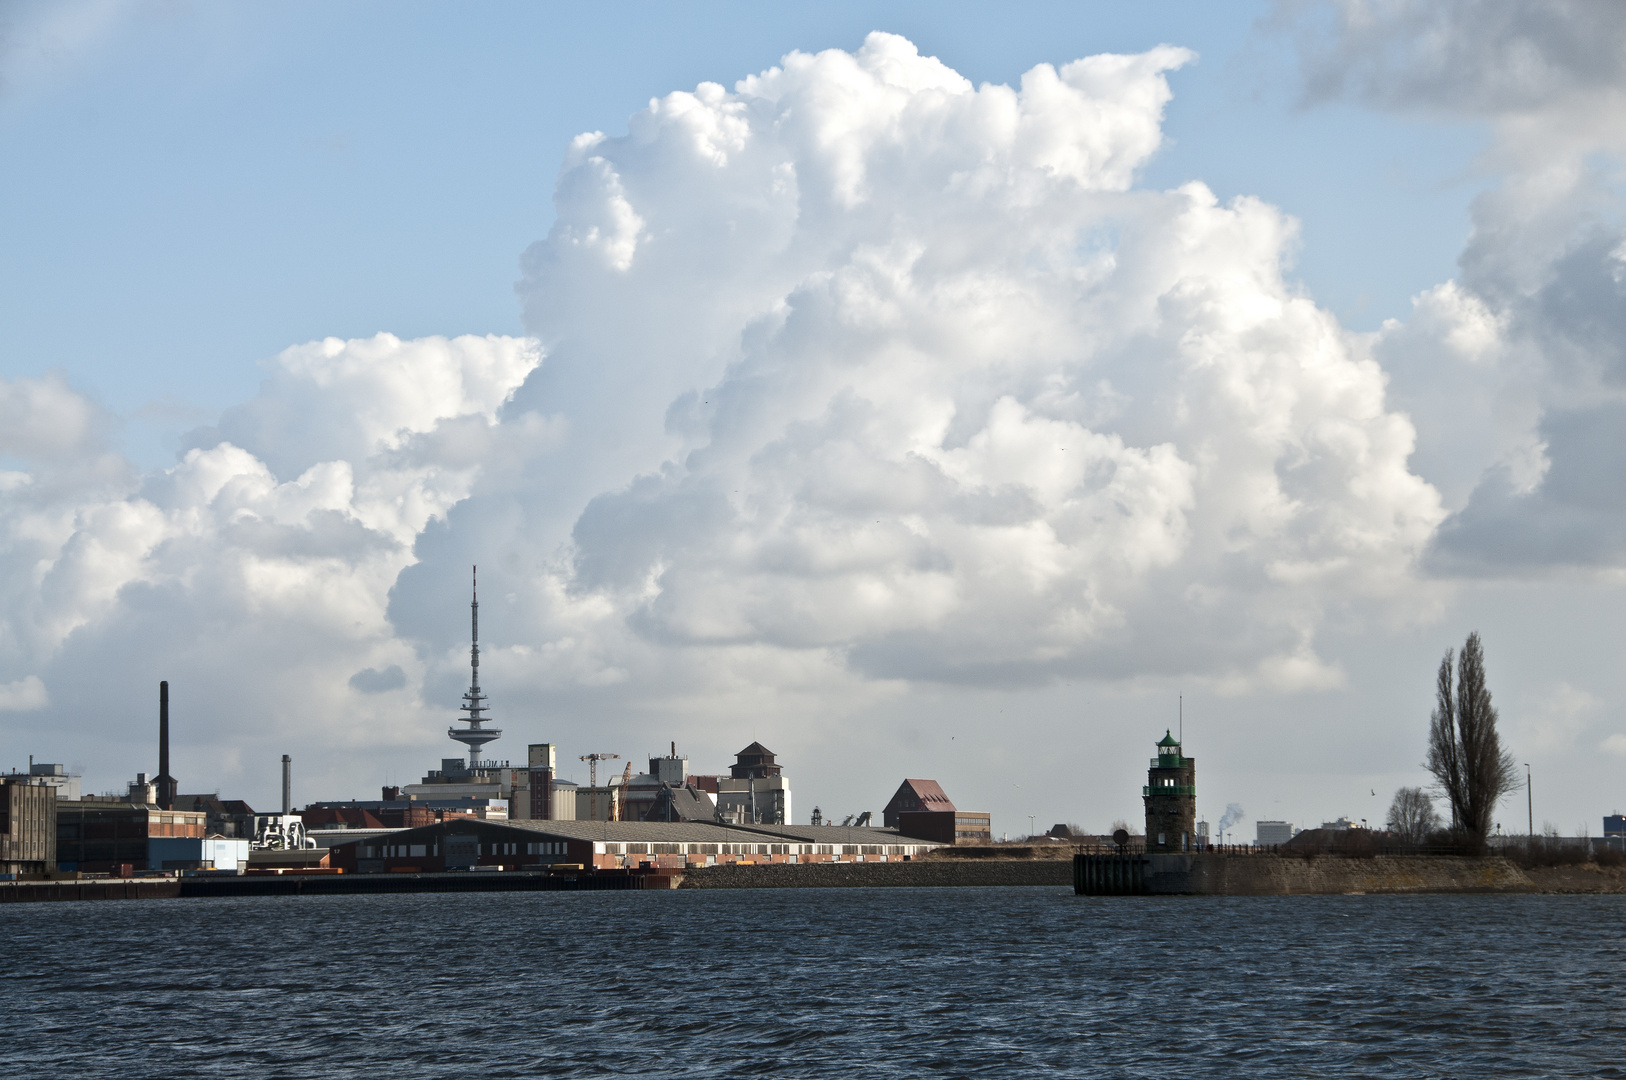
(287, 787)
(164, 782)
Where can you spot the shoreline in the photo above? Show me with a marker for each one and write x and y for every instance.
(1248, 875)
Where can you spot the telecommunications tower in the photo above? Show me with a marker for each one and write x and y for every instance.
(474, 702)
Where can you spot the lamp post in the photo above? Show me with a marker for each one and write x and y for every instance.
(1032, 824)
(1529, 804)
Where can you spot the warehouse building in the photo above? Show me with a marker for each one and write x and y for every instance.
(922, 808)
(464, 845)
(113, 837)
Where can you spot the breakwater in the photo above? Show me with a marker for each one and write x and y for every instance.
(1213, 874)
(329, 885)
(95, 889)
(926, 873)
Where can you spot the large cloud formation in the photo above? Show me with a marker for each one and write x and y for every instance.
(947, 397)
(853, 374)
(1516, 370)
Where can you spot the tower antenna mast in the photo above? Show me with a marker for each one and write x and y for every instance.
(474, 701)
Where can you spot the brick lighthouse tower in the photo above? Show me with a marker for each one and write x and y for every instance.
(1171, 799)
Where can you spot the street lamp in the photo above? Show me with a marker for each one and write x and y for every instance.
(1529, 804)
(1031, 824)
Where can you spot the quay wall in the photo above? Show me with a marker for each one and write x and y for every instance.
(931, 872)
(1212, 874)
(96, 889)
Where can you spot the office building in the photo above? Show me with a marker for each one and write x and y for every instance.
(1271, 833)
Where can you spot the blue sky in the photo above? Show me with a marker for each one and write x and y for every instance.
(1364, 399)
(195, 187)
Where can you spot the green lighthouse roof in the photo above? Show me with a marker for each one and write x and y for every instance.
(1168, 739)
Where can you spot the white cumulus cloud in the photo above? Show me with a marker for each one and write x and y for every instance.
(856, 374)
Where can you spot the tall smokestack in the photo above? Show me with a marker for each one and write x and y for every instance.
(164, 781)
(287, 787)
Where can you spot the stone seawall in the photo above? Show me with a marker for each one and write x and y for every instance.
(1211, 874)
(934, 872)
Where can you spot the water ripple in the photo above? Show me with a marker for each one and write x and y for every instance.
(850, 984)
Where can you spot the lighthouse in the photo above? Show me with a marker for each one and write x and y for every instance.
(1171, 799)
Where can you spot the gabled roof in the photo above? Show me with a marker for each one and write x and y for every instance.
(925, 794)
(683, 804)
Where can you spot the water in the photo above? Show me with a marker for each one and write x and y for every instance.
(846, 983)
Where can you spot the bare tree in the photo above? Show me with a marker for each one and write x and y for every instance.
(1464, 751)
(1412, 815)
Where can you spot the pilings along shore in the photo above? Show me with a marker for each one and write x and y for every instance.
(1219, 874)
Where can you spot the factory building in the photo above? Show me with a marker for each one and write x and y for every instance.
(516, 844)
(1170, 795)
(27, 825)
(630, 796)
(231, 818)
(94, 836)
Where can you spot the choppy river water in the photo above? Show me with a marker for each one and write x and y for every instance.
(844, 983)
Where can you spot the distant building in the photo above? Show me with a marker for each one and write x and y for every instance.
(94, 836)
(539, 793)
(469, 845)
(1171, 799)
(197, 853)
(67, 784)
(1271, 833)
(230, 818)
(756, 790)
(27, 824)
(947, 826)
(1614, 825)
(914, 796)
(685, 803)
(921, 808)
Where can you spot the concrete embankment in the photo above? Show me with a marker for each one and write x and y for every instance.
(1212, 874)
(100, 889)
(929, 872)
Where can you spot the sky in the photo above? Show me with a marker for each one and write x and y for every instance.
(922, 390)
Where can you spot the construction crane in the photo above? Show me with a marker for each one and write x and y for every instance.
(592, 781)
(618, 803)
